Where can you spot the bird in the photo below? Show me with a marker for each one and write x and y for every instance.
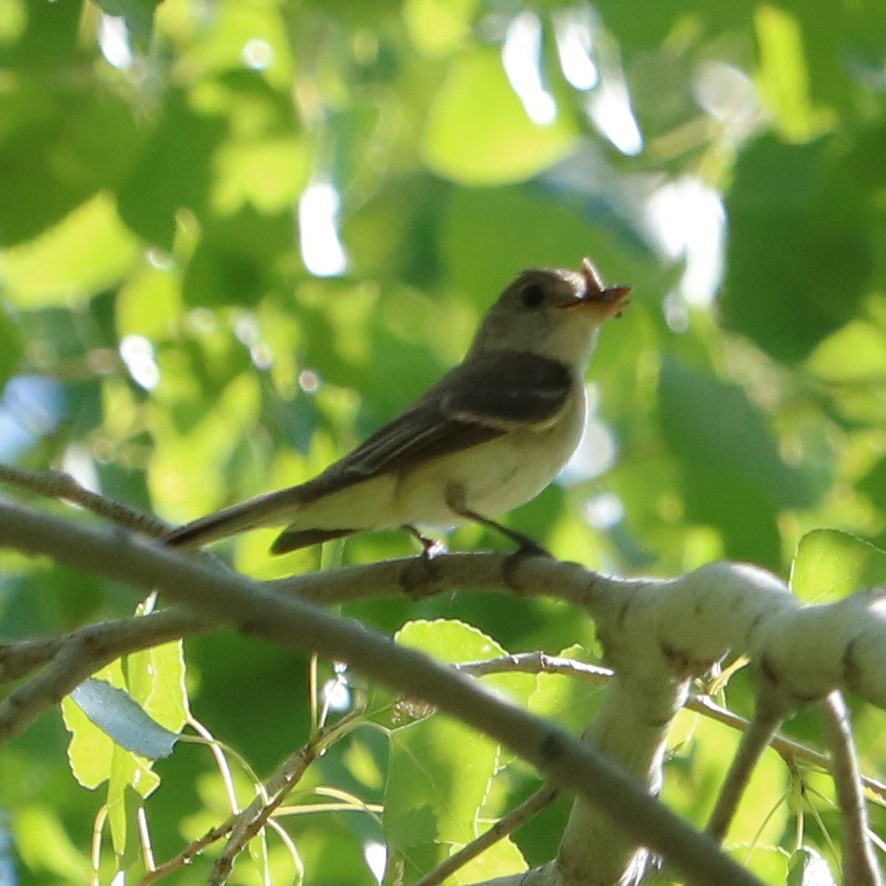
(489, 436)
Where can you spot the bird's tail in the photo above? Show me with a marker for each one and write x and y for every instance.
(274, 508)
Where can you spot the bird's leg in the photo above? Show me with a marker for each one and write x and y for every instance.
(525, 545)
(430, 547)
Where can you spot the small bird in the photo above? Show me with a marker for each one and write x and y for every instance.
(490, 435)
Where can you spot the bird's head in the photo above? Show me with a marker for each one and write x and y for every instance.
(551, 312)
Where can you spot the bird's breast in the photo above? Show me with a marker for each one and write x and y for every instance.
(497, 475)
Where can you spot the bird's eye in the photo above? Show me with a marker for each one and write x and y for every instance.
(532, 295)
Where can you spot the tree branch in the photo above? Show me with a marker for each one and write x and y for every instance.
(859, 863)
(769, 712)
(58, 485)
(504, 827)
(245, 604)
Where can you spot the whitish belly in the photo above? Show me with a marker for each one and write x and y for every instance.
(494, 477)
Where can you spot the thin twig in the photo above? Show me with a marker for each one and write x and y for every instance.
(58, 485)
(101, 640)
(859, 864)
(788, 749)
(278, 787)
(539, 662)
(504, 827)
(769, 713)
(189, 853)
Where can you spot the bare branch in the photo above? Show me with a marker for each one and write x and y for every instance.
(72, 658)
(288, 774)
(235, 600)
(788, 749)
(189, 853)
(769, 712)
(504, 827)
(101, 642)
(859, 863)
(539, 662)
(58, 485)
(656, 634)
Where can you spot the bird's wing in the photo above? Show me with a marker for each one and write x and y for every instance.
(483, 398)
(507, 390)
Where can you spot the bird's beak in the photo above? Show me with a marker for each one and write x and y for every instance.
(605, 301)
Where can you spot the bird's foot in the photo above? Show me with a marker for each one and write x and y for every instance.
(529, 547)
(430, 547)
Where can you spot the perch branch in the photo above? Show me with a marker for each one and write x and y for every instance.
(291, 621)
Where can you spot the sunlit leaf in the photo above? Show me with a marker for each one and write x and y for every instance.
(478, 132)
(438, 766)
(567, 700)
(439, 26)
(854, 354)
(72, 261)
(437, 780)
(44, 845)
(830, 565)
(783, 72)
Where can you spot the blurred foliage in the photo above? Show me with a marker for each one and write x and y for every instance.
(239, 236)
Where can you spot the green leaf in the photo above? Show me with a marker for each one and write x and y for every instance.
(733, 475)
(49, 38)
(45, 846)
(439, 770)
(90, 749)
(855, 354)
(157, 682)
(88, 250)
(117, 715)
(830, 565)
(237, 259)
(439, 26)
(11, 344)
(568, 701)
(438, 776)
(115, 734)
(60, 146)
(873, 484)
(94, 758)
(800, 255)
(478, 132)
(173, 172)
(783, 73)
